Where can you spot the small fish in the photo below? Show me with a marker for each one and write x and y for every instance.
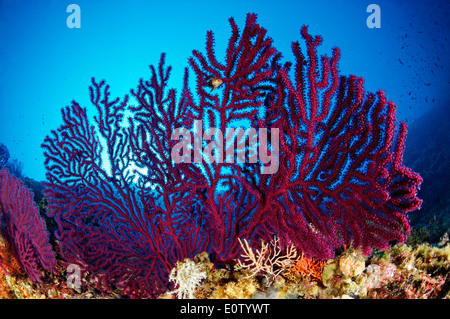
(214, 83)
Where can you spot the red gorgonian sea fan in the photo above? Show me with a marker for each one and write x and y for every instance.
(23, 228)
(342, 177)
(331, 173)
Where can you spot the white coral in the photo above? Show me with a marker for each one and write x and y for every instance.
(187, 276)
(269, 259)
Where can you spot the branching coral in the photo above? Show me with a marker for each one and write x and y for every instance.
(128, 211)
(269, 259)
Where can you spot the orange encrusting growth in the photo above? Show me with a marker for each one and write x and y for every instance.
(308, 267)
(8, 262)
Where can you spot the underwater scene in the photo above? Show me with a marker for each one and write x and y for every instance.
(224, 150)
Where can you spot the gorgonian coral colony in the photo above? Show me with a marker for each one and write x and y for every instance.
(23, 229)
(127, 212)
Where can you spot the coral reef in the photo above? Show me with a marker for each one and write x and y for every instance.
(329, 171)
(401, 272)
(53, 285)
